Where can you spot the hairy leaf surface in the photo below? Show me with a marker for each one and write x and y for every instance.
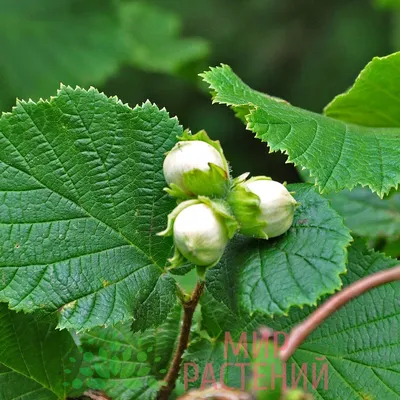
(360, 342)
(129, 366)
(81, 201)
(338, 154)
(294, 269)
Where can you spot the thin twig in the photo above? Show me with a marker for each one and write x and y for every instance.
(305, 328)
(91, 394)
(189, 308)
(96, 395)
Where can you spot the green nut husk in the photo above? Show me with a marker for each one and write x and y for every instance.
(246, 208)
(196, 166)
(201, 229)
(264, 208)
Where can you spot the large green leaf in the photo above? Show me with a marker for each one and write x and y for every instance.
(81, 201)
(34, 358)
(292, 270)
(125, 365)
(83, 43)
(338, 154)
(360, 342)
(368, 215)
(374, 99)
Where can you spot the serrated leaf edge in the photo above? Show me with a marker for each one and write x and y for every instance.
(252, 108)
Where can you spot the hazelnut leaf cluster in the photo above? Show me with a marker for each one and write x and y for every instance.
(212, 206)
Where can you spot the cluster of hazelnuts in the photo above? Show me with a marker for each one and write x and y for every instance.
(212, 206)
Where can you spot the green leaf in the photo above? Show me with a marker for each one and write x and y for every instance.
(360, 342)
(153, 39)
(352, 154)
(103, 37)
(81, 201)
(129, 366)
(297, 268)
(236, 355)
(217, 319)
(374, 98)
(36, 361)
(205, 362)
(368, 215)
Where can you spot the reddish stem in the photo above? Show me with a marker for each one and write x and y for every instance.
(300, 332)
(173, 372)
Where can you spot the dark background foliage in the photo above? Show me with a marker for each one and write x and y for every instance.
(303, 51)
